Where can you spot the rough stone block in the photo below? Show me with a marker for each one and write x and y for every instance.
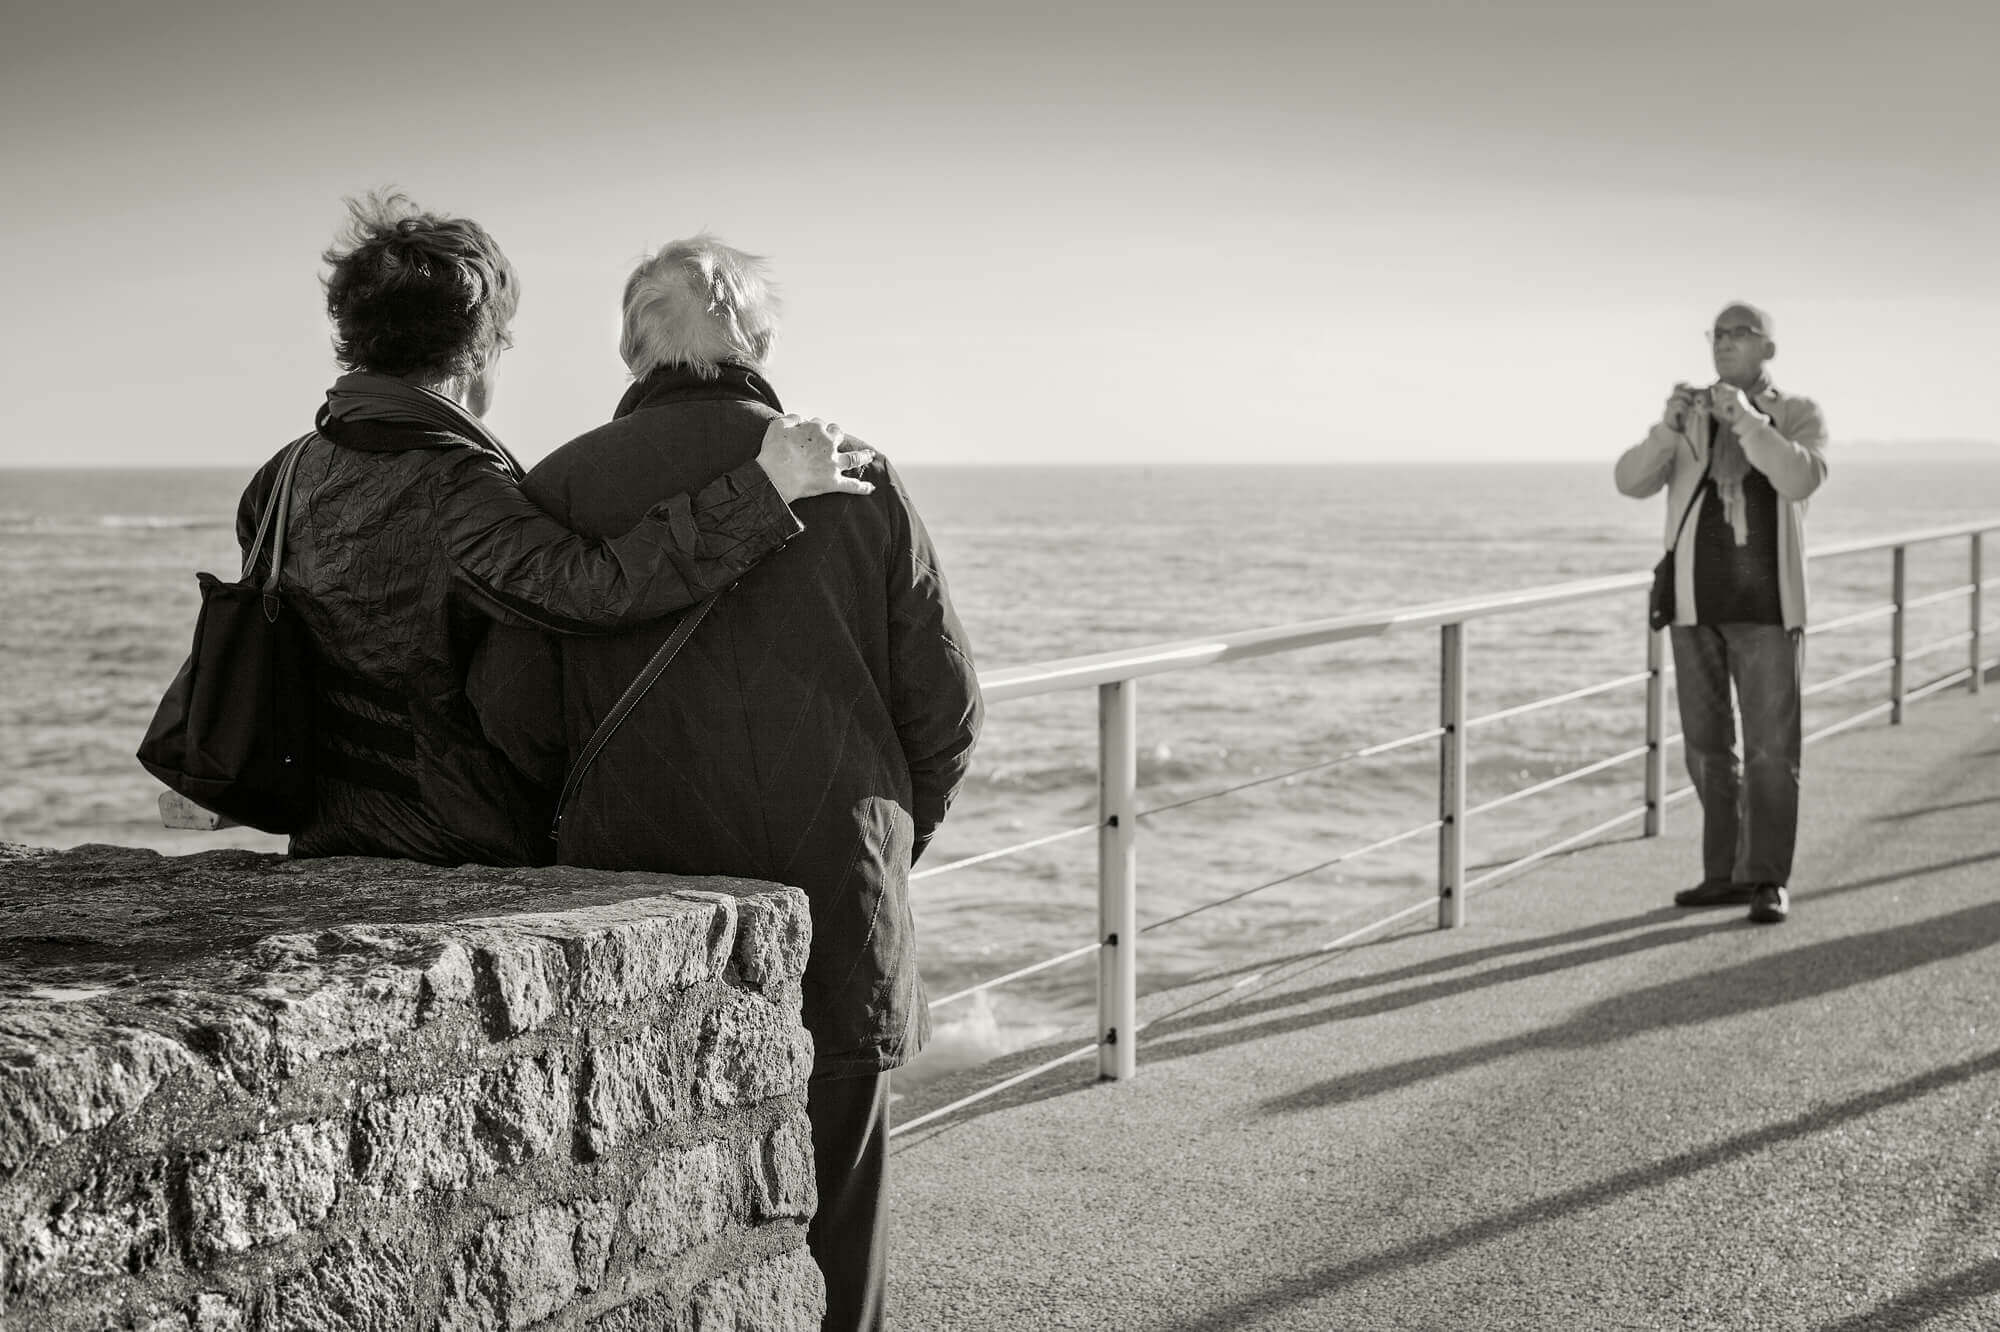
(782, 1294)
(629, 952)
(215, 1312)
(686, 1198)
(349, 1002)
(596, 1227)
(629, 1088)
(773, 938)
(422, 1141)
(112, 1225)
(522, 982)
(751, 1051)
(447, 983)
(168, 1322)
(66, 1069)
(353, 1285)
(521, 1269)
(780, 1171)
(267, 1188)
(525, 1110)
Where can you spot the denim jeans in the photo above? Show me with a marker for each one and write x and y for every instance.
(1749, 808)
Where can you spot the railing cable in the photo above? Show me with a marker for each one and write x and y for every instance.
(1350, 756)
(1403, 836)
(1043, 965)
(985, 856)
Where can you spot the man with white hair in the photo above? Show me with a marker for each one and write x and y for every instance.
(1738, 460)
(812, 731)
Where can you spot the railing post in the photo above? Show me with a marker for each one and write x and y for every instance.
(1978, 613)
(1117, 871)
(1898, 589)
(1451, 777)
(1656, 731)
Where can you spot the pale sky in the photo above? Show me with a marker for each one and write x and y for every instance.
(1028, 233)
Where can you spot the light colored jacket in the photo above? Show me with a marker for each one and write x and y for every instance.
(1788, 447)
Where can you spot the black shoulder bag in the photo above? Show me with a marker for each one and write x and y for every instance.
(1660, 603)
(233, 732)
(662, 657)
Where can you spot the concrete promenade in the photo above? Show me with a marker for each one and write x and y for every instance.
(1586, 1109)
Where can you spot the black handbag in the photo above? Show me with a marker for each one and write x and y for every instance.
(1661, 601)
(233, 732)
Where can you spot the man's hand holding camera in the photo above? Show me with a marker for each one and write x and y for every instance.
(1679, 403)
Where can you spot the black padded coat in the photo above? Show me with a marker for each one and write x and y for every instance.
(812, 732)
(405, 544)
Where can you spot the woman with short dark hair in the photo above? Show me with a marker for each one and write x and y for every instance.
(408, 535)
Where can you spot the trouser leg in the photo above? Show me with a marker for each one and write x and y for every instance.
(1708, 730)
(1768, 664)
(849, 1235)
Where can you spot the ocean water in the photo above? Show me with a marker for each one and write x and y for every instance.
(97, 597)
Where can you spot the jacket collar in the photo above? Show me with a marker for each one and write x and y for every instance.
(680, 383)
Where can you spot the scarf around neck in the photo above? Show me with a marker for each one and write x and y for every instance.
(362, 396)
(1729, 467)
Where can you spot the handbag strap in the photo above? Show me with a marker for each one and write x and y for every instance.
(628, 700)
(1707, 465)
(279, 504)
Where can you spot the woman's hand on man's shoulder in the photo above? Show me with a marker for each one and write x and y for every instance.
(806, 457)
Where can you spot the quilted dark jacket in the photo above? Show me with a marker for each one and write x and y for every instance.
(812, 732)
(405, 544)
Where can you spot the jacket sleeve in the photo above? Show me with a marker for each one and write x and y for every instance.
(523, 567)
(1646, 466)
(934, 690)
(1794, 459)
(515, 687)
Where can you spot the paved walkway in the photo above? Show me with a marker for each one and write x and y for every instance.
(1585, 1109)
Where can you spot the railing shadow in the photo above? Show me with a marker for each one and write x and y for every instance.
(1762, 982)
(1901, 815)
(1597, 1194)
(1918, 1307)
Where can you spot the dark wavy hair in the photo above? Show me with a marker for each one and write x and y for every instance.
(416, 293)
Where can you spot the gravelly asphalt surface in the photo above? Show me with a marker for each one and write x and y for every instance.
(1586, 1109)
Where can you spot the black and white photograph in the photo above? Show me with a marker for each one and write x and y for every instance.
(992, 667)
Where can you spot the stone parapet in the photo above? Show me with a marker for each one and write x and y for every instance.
(441, 1099)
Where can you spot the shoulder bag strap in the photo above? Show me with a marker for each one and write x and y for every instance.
(626, 702)
(277, 503)
(1708, 464)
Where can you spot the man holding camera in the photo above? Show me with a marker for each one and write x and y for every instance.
(1738, 461)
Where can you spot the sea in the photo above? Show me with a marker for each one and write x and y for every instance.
(97, 600)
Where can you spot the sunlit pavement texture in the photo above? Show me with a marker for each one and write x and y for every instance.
(1585, 1109)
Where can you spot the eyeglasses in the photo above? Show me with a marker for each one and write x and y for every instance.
(1738, 333)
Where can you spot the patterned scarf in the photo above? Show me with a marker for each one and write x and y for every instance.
(1729, 466)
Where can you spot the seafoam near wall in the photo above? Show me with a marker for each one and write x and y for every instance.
(448, 1099)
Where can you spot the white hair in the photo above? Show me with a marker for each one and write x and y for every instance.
(698, 303)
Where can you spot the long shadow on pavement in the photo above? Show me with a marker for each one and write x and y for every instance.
(1761, 982)
(1156, 1050)
(1918, 1307)
(1064, 1080)
(1597, 1194)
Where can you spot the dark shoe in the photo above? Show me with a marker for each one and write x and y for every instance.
(1771, 904)
(1713, 892)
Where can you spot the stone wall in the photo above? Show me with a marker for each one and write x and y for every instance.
(443, 1099)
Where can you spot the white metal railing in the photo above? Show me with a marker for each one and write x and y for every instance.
(1115, 676)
